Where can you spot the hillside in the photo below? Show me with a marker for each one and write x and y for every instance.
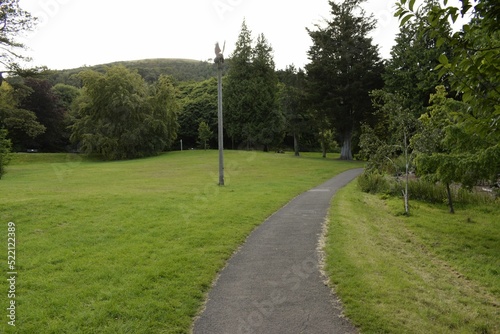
(149, 69)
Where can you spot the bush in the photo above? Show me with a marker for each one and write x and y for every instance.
(374, 183)
(5, 150)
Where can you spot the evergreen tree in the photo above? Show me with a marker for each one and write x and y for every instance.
(292, 102)
(410, 73)
(237, 98)
(268, 121)
(345, 66)
(251, 113)
(45, 104)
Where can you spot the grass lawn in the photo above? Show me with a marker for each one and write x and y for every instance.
(133, 246)
(432, 272)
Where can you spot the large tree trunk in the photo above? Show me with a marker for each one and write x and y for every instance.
(296, 145)
(346, 153)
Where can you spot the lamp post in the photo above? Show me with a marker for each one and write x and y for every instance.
(219, 60)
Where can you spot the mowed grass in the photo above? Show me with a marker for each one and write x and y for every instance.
(432, 272)
(133, 246)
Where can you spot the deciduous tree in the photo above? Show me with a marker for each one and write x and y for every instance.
(198, 102)
(204, 134)
(22, 125)
(120, 117)
(14, 21)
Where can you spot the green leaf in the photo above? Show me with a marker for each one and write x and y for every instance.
(406, 19)
(443, 59)
(399, 12)
(412, 4)
(440, 42)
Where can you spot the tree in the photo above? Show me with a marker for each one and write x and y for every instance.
(345, 66)
(472, 67)
(383, 151)
(66, 95)
(252, 115)
(5, 149)
(198, 102)
(292, 102)
(22, 125)
(120, 117)
(471, 143)
(238, 100)
(45, 104)
(161, 125)
(204, 134)
(410, 73)
(268, 120)
(13, 22)
(450, 152)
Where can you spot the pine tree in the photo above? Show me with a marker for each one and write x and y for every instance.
(345, 66)
(237, 98)
(268, 120)
(251, 113)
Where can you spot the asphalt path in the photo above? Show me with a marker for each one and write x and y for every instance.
(273, 284)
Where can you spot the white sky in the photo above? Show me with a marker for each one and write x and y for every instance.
(73, 33)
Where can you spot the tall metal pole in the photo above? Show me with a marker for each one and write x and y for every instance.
(221, 134)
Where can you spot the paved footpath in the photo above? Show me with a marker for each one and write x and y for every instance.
(273, 285)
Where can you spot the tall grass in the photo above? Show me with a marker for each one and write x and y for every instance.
(420, 189)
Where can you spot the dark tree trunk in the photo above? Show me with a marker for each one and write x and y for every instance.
(346, 153)
(296, 145)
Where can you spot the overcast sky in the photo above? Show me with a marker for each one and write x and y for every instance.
(73, 33)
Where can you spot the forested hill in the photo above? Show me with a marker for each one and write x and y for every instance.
(149, 69)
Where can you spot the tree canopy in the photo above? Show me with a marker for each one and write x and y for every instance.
(252, 116)
(120, 117)
(345, 66)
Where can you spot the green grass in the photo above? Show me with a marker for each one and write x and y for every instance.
(133, 246)
(432, 272)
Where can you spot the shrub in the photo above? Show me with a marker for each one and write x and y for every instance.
(374, 183)
(5, 149)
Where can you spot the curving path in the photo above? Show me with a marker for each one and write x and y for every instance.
(273, 283)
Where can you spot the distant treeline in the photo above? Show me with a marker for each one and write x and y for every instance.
(150, 69)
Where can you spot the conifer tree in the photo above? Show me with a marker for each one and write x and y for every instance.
(345, 67)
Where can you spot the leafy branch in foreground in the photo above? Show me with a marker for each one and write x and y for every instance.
(13, 22)
(450, 150)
